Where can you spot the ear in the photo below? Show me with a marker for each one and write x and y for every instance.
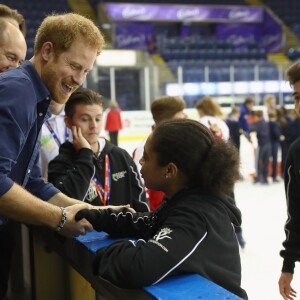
(47, 51)
(68, 122)
(172, 170)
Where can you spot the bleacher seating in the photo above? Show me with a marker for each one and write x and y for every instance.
(34, 11)
(202, 2)
(289, 14)
(193, 53)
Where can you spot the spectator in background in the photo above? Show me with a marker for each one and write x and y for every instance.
(162, 109)
(89, 167)
(13, 16)
(247, 116)
(275, 142)
(233, 124)
(270, 105)
(113, 122)
(261, 127)
(54, 134)
(12, 46)
(211, 116)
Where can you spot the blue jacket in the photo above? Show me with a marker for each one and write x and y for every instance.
(23, 109)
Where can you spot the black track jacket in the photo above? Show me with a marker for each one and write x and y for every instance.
(71, 172)
(291, 252)
(190, 233)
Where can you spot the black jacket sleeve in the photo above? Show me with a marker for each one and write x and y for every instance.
(72, 173)
(119, 222)
(291, 252)
(135, 264)
(138, 193)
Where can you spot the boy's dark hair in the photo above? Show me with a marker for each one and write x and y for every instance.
(293, 73)
(259, 114)
(206, 163)
(249, 101)
(82, 96)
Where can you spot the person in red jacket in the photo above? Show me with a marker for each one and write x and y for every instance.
(113, 122)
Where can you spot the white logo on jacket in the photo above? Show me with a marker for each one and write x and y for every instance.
(163, 234)
(119, 175)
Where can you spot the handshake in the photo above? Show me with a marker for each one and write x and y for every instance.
(100, 217)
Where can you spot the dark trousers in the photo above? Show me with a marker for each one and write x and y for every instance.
(113, 137)
(7, 245)
(263, 161)
(274, 155)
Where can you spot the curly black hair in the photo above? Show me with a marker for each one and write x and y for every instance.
(212, 165)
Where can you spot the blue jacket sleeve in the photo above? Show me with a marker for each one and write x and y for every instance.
(14, 126)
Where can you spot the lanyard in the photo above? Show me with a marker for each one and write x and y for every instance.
(55, 137)
(104, 193)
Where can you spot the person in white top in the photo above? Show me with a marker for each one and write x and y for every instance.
(54, 133)
(211, 115)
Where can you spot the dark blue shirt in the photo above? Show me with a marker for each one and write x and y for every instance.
(262, 132)
(23, 109)
(274, 131)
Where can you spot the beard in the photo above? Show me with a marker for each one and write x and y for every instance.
(54, 84)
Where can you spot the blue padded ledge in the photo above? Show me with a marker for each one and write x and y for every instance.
(189, 287)
(95, 240)
(185, 287)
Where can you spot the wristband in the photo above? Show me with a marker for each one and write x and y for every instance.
(63, 219)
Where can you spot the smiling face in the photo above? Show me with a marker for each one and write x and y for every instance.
(89, 119)
(65, 72)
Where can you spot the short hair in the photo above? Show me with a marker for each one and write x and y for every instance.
(63, 29)
(165, 107)
(209, 107)
(249, 101)
(7, 12)
(207, 163)
(113, 104)
(293, 73)
(268, 98)
(259, 114)
(235, 110)
(82, 96)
